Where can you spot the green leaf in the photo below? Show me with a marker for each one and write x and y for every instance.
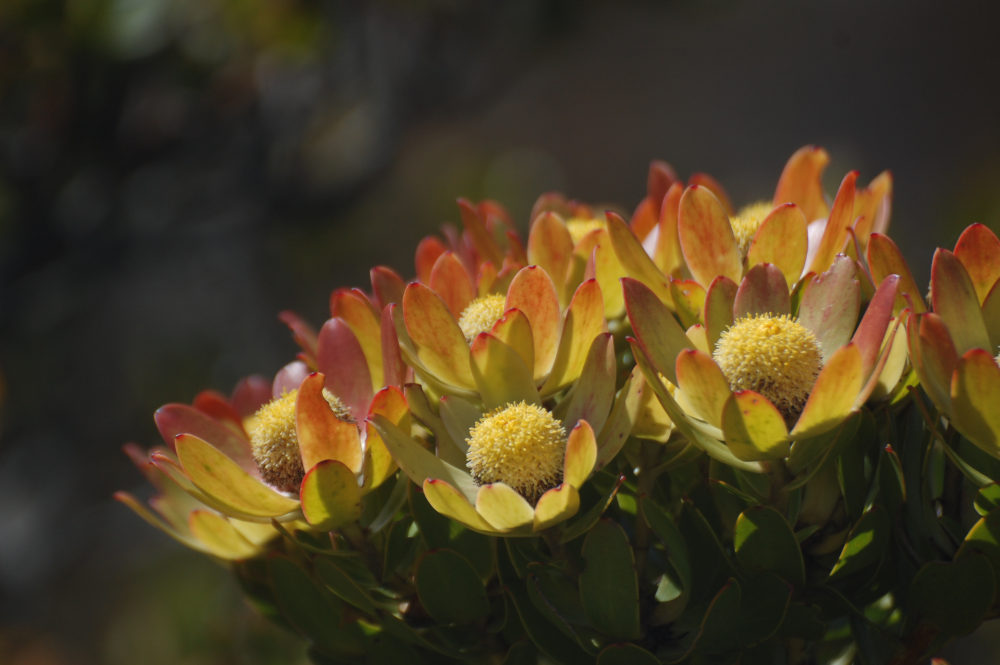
(521, 653)
(550, 642)
(987, 499)
(558, 601)
(626, 654)
(344, 585)
(400, 548)
(765, 542)
(984, 537)
(435, 528)
(954, 596)
(450, 588)
(609, 589)
(314, 612)
(663, 526)
(583, 523)
(865, 546)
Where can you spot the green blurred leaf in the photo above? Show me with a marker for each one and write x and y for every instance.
(987, 499)
(345, 586)
(609, 589)
(400, 548)
(583, 523)
(550, 642)
(314, 612)
(435, 528)
(891, 485)
(954, 596)
(626, 654)
(765, 542)
(708, 559)
(450, 589)
(522, 653)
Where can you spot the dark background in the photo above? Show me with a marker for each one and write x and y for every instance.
(175, 172)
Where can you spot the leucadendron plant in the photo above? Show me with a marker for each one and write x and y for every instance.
(705, 435)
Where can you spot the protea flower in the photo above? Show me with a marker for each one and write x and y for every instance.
(510, 456)
(698, 236)
(571, 243)
(480, 258)
(305, 453)
(954, 348)
(761, 374)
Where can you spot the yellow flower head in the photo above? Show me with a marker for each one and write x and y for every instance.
(480, 315)
(273, 441)
(521, 445)
(773, 355)
(747, 221)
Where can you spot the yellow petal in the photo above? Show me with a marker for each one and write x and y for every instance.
(833, 395)
(228, 484)
(503, 507)
(556, 505)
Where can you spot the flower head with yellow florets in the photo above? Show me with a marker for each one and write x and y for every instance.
(517, 392)
(760, 376)
(300, 452)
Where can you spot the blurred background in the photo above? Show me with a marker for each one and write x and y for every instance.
(175, 172)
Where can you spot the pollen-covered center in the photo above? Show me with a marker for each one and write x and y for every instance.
(480, 315)
(747, 221)
(773, 355)
(274, 444)
(521, 445)
(579, 227)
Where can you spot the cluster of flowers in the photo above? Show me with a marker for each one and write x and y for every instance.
(509, 373)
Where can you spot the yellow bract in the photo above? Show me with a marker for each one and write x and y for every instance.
(521, 445)
(273, 441)
(747, 221)
(480, 315)
(578, 227)
(772, 355)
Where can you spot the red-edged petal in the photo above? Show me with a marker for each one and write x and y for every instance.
(719, 308)
(387, 286)
(634, 259)
(833, 395)
(666, 252)
(354, 308)
(654, 326)
(955, 301)
(754, 429)
(503, 507)
(706, 237)
(871, 331)
(840, 220)
(829, 305)
(581, 454)
(800, 182)
(452, 503)
(975, 394)
(934, 356)
(763, 291)
(452, 282)
(703, 385)
(175, 419)
(320, 433)
(500, 374)
(978, 249)
(706, 181)
(533, 293)
(341, 358)
(440, 344)
(330, 496)
(551, 247)
(782, 239)
(884, 259)
(584, 321)
(594, 391)
(428, 251)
